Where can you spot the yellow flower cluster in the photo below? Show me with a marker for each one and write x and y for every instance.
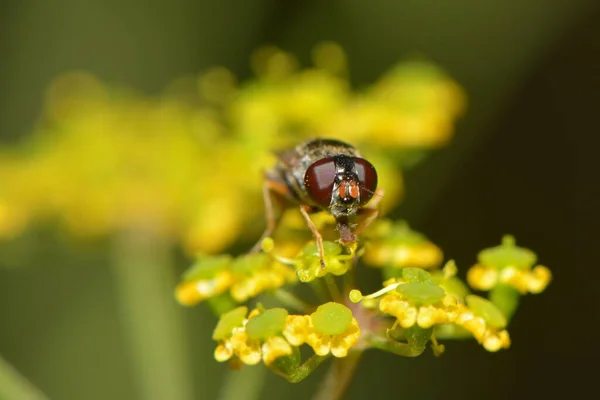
(190, 293)
(422, 303)
(300, 329)
(492, 338)
(509, 265)
(409, 313)
(188, 164)
(244, 278)
(268, 335)
(250, 350)
(482, 277)
(395, 245)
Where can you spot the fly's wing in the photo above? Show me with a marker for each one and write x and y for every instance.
(281, 176)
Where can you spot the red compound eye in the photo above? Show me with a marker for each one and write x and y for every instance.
(367, 179)
(319, 180)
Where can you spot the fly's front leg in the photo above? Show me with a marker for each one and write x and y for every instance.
(271, 189)
(304, 209)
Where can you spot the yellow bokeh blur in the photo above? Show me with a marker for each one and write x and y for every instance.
(104, 159)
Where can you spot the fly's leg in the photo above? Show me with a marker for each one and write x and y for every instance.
(271, 189)
(304, 209)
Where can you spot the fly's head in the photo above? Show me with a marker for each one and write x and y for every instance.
(341, 184)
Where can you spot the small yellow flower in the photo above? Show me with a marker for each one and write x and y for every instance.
(492, 338)
(397, 246)
(190, 293)
(408, 313)
(259, 276)
(510, 265)
(330, 329)
(253, 339)
(245, 277)
(532, 281)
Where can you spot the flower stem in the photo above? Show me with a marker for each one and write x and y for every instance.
(300, 372)
(416, 342)
(333, 289)
(15, 386)
(152, 321)
(339, 377)
(292, 301)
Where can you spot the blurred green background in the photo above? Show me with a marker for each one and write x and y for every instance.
(516, 165)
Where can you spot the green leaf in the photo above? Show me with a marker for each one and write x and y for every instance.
(332, 318)
(267, 324)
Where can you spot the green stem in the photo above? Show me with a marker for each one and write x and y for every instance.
(292, 301)
(300, 372)
(15, 386)
(339, 377)
(152, 320)
(506, 299)
(333, 289)
(320, 289)
(416, 342)
(245, 384)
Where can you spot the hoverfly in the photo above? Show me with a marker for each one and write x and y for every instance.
(322, 175)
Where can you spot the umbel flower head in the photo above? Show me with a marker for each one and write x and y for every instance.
(414, 308)
(395, 245)
(330, 329)
(254, 338)
(415, 299)
(509, 265)
(266, 335)
(243, 277)
(307, 263)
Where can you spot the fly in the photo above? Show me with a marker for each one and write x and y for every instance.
(322, 175)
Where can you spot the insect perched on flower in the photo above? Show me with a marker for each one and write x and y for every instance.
(323, 174)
